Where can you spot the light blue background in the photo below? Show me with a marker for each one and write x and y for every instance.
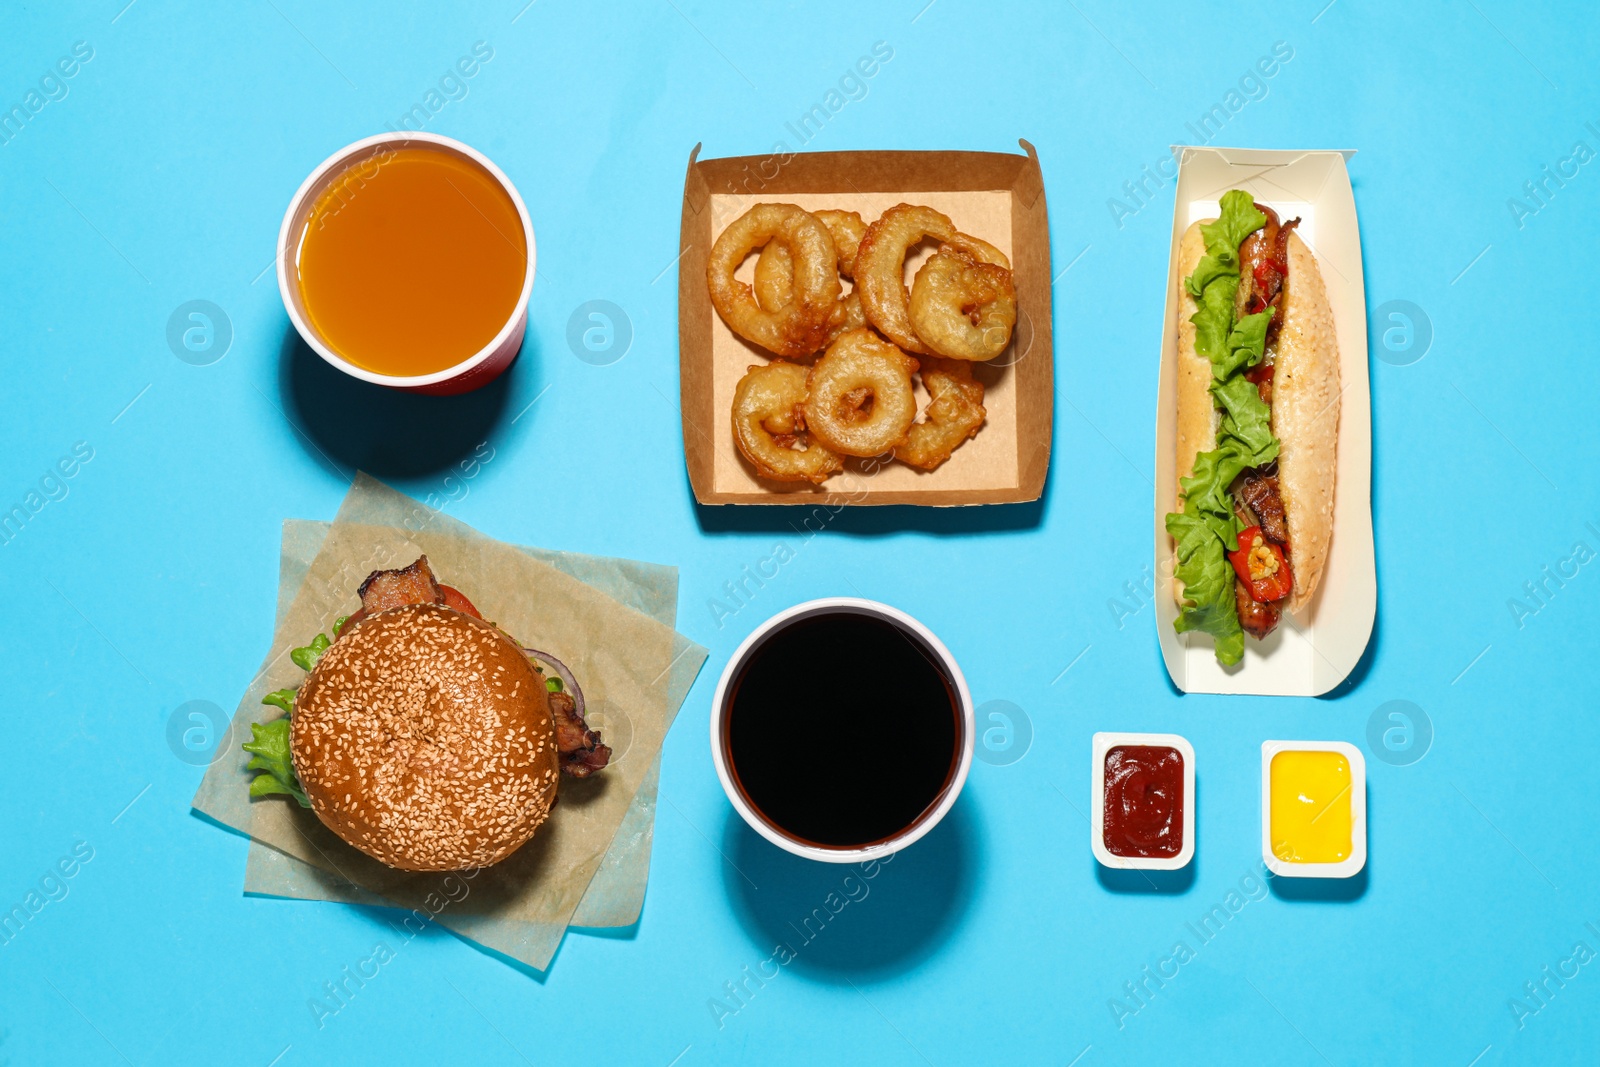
(162, 176)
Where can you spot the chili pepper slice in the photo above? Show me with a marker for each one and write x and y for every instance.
(1262, 566)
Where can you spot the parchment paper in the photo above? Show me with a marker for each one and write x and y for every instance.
(635, 671)
(616, 894)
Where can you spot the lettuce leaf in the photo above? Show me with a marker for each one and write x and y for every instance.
(1222, 267)
(1205, 491)
(269, 748)
(1207, 586)
(1246, 345)
(1206, 530)
(1214, 321)
(1237, 220)
(306, 657)
(1246, 423)
(283, 698)
(269, 742)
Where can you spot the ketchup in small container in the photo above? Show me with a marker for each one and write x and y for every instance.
(1143, 801)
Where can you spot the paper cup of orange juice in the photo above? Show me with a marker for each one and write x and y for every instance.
(406, 260)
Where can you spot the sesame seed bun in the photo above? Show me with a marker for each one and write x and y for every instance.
(1305, 417)
(424, 738)
(1197, 412)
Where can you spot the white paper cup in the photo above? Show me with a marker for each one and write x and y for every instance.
(776, 834)
(476, 370)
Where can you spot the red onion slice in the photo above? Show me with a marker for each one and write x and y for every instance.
(563, 672)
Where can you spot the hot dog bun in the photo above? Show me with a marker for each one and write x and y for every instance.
(1305, 407)
(1197, 415)
(1305, 418)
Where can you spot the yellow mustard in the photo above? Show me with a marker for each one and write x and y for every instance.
(1312, 817)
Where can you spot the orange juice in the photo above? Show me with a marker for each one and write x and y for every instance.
(412, 261)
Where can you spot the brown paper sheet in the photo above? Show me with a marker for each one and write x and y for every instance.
(521, 907)
(616, 894)
(995, 196)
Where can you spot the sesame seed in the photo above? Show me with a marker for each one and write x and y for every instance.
(440, 771)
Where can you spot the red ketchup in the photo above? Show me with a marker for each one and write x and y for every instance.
(1144, 802)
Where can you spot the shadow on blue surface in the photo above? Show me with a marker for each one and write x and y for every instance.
(609, 933)
(1148, 882)
(842, 923)
(354, 425)
(810, 515)
(1326, 890)
(799, 518)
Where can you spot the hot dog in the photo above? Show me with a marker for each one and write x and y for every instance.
(1258, 421)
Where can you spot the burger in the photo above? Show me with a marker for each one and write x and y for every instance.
(424, 735)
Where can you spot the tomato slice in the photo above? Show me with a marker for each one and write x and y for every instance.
(1261, 375)
(1269, 275)
(454, 599)
(1262, 566)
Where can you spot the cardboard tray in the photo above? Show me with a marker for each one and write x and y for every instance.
(1309, 654)
(994, 195)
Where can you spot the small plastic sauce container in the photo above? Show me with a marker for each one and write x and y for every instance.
(1313, 809)
(1143, 801)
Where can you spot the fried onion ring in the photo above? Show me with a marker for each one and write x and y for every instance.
(775, 273)
(860, 400)
(979, 249)
(775, 266)
(770, 429)
(963, 307)
(955, 412)
(800, 327)
(847, 315)
(847, 229)
(880, 269)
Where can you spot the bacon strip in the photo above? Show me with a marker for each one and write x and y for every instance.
(395, 589)
(1264, 263)
(582, 752)
(1259, 492)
